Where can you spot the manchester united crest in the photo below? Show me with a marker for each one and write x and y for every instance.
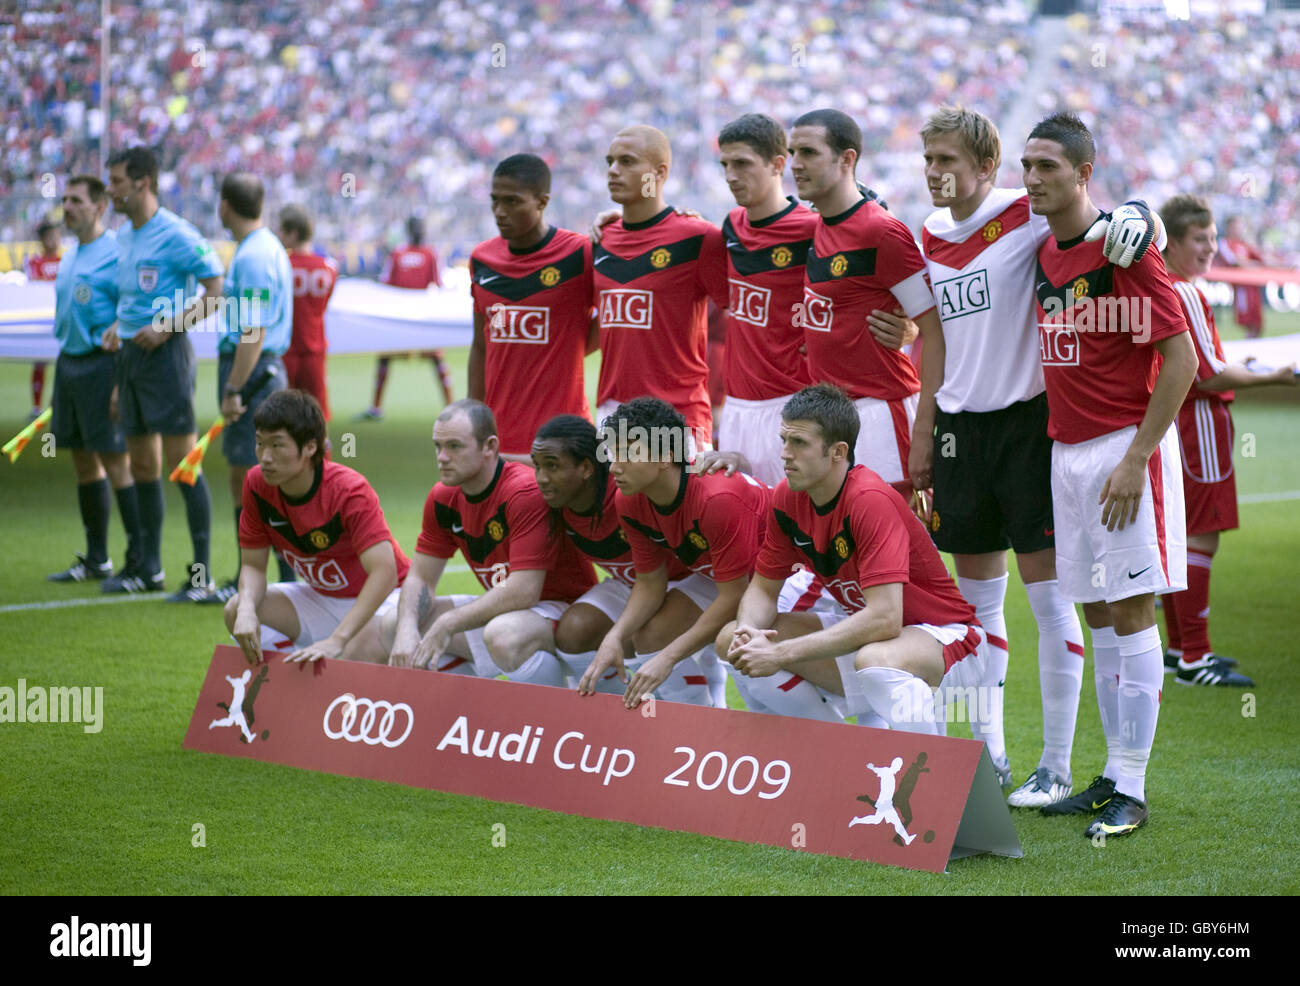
(697, 539)
(993, 230)
(1080, 287)
(319, 539)
(841, 545)
(781, 256)
(495, 531)
(839, 264)
(549, 276)
(660, 258)
(934, 520)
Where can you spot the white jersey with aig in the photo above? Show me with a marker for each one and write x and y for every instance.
(982, 273)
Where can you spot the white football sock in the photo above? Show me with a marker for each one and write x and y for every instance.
(1142, 672)
(988, 596)
(715, 674)
(1105, 672)
(543, 668)
(783, 694)
(899, 697)
(1060, 671)
(686, 682)
(576, 665)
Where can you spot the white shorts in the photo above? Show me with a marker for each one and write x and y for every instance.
(484, 666)
(1149, 555)
(753, 428)
(885, 435)
(694, 443)
(319, 615)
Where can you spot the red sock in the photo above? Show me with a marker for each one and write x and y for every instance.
(1173, 631)
(381, 378)
(1194, 607)
(38, 384)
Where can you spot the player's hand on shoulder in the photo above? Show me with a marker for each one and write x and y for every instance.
(688, 213)
(1128, 231)
(726, 462)
(601, 221)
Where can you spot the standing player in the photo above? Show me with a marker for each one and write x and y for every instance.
(326, 521)
(709, 523)
(907, 628)
(767, 237)
(42, 267)
(863, 259)
(654, 271)
(491, 511)
(162, 258)
(992, 478)
(1205, 426)
(314, 277)
(257, 331)
(1117, 496)
(413, 266)
(532, 309)
(1247, 305)
(85, 307)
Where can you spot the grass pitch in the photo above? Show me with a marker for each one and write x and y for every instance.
(114, 812)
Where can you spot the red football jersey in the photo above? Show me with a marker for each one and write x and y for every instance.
(1210, 361)
(861, 260)
(1095, 325)
(866, 536)
(603, 541)
(536, 305)
(411, 267)
(713, 526)
(765, 273)
(322, 534)
(502, 529)
(314, 278)
(652, 280)
(44, 268)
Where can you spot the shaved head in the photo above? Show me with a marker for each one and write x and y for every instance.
(653, 141)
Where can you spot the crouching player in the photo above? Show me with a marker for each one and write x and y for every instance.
(325, 521)
(708, 523)
(906, 629)
(492, 512)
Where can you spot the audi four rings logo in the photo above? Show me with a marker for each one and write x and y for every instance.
(374, 724)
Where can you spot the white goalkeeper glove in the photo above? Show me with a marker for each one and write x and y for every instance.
(1129, 230)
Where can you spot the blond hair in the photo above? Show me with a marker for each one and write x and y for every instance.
(978, 135)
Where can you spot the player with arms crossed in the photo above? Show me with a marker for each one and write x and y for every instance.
(654, 272)
(491, 511)
(1205, 427)
(1117, 492)
(532, 309)
(904, 629)
(324, 519)
(162, 259)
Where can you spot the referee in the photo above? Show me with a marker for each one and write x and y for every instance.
(85, 308)
(163, 259)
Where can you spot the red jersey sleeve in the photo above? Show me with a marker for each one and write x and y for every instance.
(902, 268)
(646, 555)
(433, 539)
(532, 547)
(731, 528)
(1148, 278)
(252, 533)
(363, 519)
(883, 550)
(711, 271)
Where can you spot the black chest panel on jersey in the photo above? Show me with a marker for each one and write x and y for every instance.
(314, 541)
(477, 547)
(527, 285)
(624, 270)
(609, 548)
(761, 260)
(857, 263)
(688, 552)
(825, 563)
(1060, 298)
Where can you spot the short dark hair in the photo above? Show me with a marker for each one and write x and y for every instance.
(1070, 132)
(528, 170)
(482, 422)
(415, 230)
(830, 409)
(578, 439)
(763, 134)
(244, 192)
(46, 223)
(140, 162)
(651, 421)
(296, 412)
(94, 187)
(1182, 212)
(297, 221)
(842, 133)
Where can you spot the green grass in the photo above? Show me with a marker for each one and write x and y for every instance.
(112, 813)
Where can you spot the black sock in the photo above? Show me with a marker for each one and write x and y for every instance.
(152, 509)
(198, 513)
(96, 507)
(128, 505)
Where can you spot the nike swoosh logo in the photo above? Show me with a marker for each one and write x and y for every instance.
(490, 277)
(457, 529)
(1099, 807)
(601, 259)
(802, 544)
(1042, 284)
(1133, 576)
(733, 245)
(279, 523)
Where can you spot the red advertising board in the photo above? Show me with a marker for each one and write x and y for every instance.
(887, 796)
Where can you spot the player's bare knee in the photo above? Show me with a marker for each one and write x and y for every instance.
(581, 629)
(657, 634)
(508, 643)
(723, 642)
